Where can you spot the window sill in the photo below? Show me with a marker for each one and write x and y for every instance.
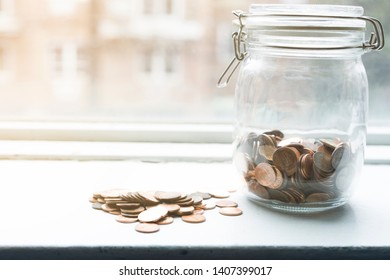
(143, 151)
(54, 220)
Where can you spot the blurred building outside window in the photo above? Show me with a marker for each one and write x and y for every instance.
(135, 61)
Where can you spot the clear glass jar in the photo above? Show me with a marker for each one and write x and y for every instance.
(301, 103)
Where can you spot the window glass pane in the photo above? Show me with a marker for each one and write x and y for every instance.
(135, 60)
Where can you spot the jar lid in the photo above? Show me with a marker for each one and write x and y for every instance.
(312, 9)
(302, 30)
(308, 16)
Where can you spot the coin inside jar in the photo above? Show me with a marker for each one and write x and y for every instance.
(265, 174)
(286, 159)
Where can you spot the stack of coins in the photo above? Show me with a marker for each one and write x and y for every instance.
(154, 208)
(294, 170)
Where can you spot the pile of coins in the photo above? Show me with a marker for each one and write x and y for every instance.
(154, 208)
(294, 170)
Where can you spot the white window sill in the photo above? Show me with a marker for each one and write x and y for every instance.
(51, 217)
(158, 152)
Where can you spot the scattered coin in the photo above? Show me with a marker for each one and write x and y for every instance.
(204, 195)
(147, 227)
(219, 193)
(226, 203)
(209, 205)
(193, 218)
(125, 220)
(165, 221)
(186, 210)
(198, 212)
(230, 211)
(97, 206)
(172, 208)
(153, 214)
(167, 196)
(154, 208)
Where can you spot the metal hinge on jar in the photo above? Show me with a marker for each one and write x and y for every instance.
(375, 42)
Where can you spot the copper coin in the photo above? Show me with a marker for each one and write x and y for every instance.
(130, 215)
(219, 193)
(230, 211)
(258, 189)
(193, 218)
(265, 174)
(172, 208)
(165, 221)
(125, 220)
(226, 203)
(299, 147)
(153, 214)
(317, 197)
(147, 227)
(184, 199)
(97, 206)
(341, 155)
(113, 193)
(267, 151)
(149, 197)
(306, 166)
(198, 212)
(186, 210)
(185, 203)
(92, 199)
(107, 208)
(279, 180)
(197, 199)
(264, 139)
(167, 196)
(209, 205)
(115, 212)
(286, 158)
(278, 195)
(133, 211)
(322, 160)
(128, 205)
(204, 195)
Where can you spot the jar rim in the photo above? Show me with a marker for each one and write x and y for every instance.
(311, 16)
(307, 9)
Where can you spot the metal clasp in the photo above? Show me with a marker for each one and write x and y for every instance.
(376, 41)
(239, 38)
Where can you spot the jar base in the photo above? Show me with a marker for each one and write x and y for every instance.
(300, 208)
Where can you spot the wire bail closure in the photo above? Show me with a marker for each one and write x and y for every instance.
(376, 42)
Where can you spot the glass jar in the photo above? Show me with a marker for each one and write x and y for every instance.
(301, 103)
